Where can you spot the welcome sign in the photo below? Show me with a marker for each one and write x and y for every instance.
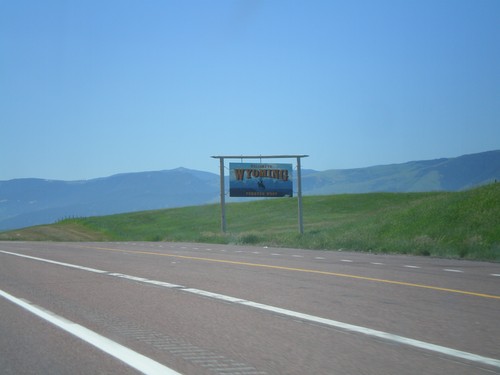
(260, 180)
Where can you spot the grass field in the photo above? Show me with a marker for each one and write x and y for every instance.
(442, 224)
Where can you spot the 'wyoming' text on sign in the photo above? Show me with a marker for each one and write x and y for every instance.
(260, 180)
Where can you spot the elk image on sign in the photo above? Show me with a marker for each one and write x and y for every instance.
(260, 180)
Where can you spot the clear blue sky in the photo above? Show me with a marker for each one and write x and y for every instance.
(94, 88)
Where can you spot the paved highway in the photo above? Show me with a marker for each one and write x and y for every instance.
(178, 308)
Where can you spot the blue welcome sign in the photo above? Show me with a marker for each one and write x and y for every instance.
(260, 180)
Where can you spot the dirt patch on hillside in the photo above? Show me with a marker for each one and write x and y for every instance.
(66, 232)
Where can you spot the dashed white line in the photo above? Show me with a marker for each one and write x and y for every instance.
(133, 359)
(55, 262)
(322, 258)
(495, 274)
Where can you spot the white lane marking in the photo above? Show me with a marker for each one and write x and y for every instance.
(319, 258)
(377, 263)
(452, 270)
(298, 256)
(495, 274)
(408, 266)
(55, 262)
(275, 254)
(148, 281)
(133, 359)
(329, 322)
(346, 260)
(218, 296)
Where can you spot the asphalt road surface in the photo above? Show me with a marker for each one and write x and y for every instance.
(177, 308)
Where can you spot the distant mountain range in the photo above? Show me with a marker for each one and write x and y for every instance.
(30, 201)
(447, 174)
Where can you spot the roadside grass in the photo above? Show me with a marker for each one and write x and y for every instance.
(442, 224)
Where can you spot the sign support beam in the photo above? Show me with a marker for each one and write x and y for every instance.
(222, 196)
(222, 183)
(299, 196)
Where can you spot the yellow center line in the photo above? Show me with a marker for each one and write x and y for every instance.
(298, 270)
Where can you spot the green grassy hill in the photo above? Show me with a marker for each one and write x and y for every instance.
(446, 224)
